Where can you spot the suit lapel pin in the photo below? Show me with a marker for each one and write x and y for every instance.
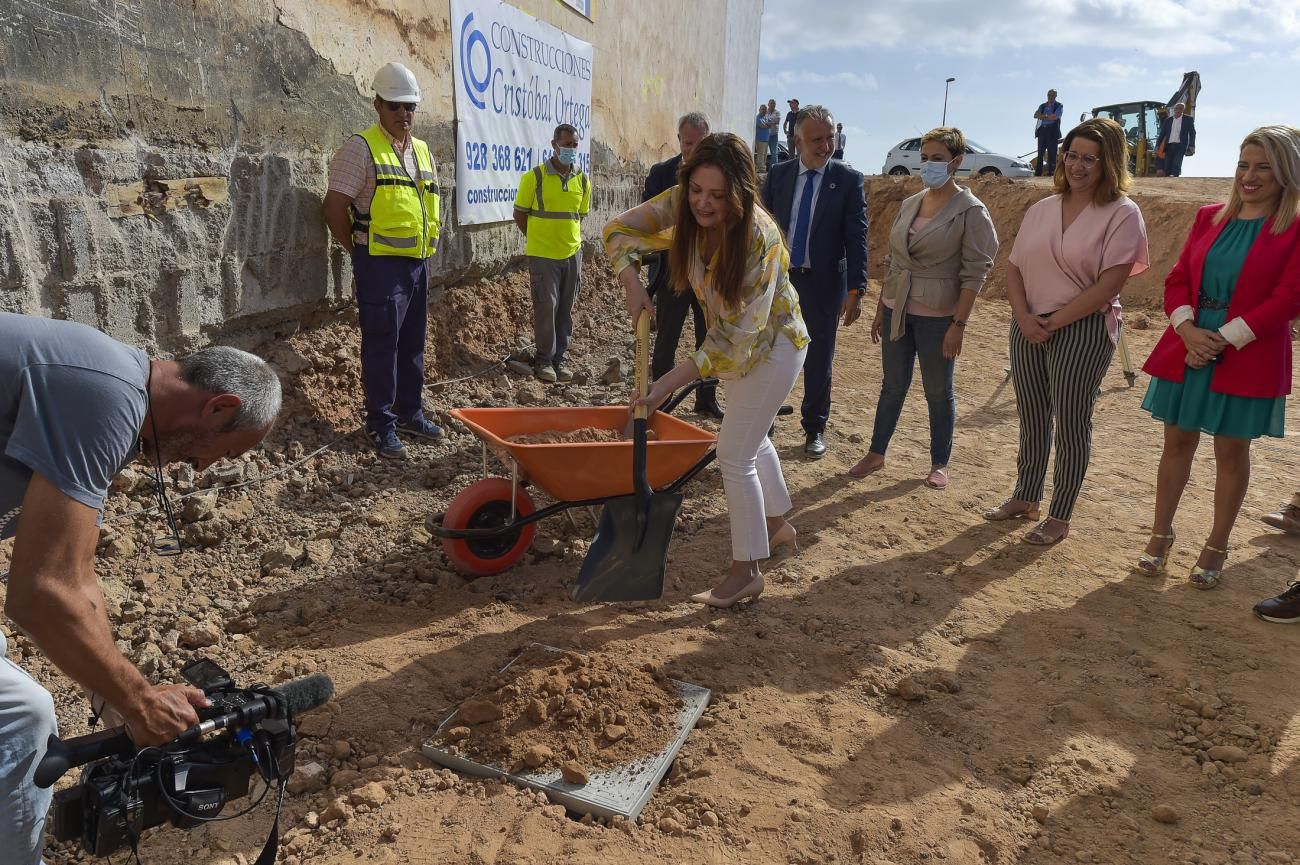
(832, 186)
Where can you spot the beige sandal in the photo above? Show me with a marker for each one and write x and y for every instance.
(1040, 537)
(1003, 512)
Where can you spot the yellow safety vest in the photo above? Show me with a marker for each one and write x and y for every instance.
(555, 214)
(404, 212)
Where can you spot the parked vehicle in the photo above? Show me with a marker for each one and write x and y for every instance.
(905, 158)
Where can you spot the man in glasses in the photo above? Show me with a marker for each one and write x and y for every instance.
(382, 207)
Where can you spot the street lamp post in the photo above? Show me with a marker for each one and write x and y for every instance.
(944, 122)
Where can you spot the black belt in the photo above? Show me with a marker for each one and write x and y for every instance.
(801, 270)
(1204, 302)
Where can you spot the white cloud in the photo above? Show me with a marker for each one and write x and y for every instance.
(803, 80)
(1160, 28)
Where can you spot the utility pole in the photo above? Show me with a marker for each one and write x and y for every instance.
(944, 122)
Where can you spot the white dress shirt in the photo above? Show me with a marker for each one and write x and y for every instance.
(804, 174)
(1176, 131)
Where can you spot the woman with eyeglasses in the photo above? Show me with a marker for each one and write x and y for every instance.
(1223, 366)
(941, 248)
(1071, 257)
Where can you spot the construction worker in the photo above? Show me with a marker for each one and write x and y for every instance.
(552, 200)
(382, 207)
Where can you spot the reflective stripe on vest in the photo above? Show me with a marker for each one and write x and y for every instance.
(540, 212)
(404, 211)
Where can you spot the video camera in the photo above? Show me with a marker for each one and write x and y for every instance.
(188, 781)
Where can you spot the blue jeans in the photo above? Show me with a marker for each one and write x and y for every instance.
(922, 339)
(26, 722)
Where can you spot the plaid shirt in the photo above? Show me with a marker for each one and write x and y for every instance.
(352, 173)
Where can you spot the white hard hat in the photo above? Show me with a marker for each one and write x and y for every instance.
(396, 83)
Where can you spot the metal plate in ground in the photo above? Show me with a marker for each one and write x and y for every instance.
(618, 792)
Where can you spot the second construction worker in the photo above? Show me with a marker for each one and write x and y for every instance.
(382, 207)
(552, 200)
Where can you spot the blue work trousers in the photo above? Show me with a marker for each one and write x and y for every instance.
(393, 312)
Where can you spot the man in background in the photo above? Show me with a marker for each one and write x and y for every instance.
(821, 206)
(840, 140)
(670, 306)
(760, 138)
(1048, 133)
(1178, 137)
(552, 200)
(382, 206)
(788, 127)
(773, 134)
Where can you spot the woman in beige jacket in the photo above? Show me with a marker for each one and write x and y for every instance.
(940, 250)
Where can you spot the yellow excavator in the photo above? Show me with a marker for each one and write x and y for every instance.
(1142, 120)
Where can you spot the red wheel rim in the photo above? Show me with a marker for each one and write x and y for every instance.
(486, 504)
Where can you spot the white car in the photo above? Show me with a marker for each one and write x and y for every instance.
(904, 158)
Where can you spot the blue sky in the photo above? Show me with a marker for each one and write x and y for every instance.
(881, 67)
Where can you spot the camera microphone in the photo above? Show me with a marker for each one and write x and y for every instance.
(292, 698)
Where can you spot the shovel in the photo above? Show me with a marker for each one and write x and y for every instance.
(628, 556)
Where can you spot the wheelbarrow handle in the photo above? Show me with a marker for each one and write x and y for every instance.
(668, 407)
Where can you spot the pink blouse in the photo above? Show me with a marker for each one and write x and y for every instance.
(1058, 265)
(915, 307)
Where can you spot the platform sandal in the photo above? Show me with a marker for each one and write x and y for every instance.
(1207, 578)
(1155, 566)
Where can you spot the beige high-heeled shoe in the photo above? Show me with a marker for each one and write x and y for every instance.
(752, 589)
(784, 535)
(1208, 578)
(1155, 566)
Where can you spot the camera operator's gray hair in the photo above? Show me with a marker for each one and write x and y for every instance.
(813, 112)
(696, 119)
(222, 369)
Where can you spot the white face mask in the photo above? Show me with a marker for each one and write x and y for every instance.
(934, 174)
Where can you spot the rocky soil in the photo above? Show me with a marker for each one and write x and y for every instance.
(915, 685)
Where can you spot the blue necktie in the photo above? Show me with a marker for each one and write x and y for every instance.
(801, 226)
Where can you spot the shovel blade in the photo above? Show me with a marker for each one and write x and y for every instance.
(622, 563)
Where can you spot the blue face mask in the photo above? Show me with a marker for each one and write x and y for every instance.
(566, 155)
(934, 174)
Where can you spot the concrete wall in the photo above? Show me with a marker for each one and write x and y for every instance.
(163, 161)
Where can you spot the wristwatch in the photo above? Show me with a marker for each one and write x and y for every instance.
(858, 291)
(959, 322)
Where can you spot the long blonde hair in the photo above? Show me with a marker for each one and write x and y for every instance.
(1282, 150)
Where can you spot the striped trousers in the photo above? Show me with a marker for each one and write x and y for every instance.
(1056, 386)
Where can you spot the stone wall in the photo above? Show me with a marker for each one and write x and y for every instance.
(164, 161)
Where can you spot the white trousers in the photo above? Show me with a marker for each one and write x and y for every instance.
(751, 469)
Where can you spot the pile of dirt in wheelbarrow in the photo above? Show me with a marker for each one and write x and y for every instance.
(565, 710)
(583, 435)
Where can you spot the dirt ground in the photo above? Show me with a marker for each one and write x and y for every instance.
(915, 684)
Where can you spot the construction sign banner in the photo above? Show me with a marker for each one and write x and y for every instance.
(517, 78)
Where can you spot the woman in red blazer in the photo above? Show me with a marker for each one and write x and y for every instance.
(1223, 366)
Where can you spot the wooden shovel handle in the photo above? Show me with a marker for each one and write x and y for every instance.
(642, 368)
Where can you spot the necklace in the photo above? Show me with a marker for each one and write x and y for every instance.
(162, 544)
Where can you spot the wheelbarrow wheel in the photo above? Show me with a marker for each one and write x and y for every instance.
(486, 505)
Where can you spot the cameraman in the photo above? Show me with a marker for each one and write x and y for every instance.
(76, 406)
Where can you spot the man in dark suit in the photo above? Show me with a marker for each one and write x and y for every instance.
(821, 206)
(1178, 135)
(671, 307)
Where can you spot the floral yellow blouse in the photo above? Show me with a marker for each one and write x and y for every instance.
(738, 339)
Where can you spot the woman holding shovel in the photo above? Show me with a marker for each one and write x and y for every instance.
(729, 251)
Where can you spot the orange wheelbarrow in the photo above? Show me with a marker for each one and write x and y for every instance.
(490, 524)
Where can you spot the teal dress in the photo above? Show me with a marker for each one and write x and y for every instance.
(1190, 404)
